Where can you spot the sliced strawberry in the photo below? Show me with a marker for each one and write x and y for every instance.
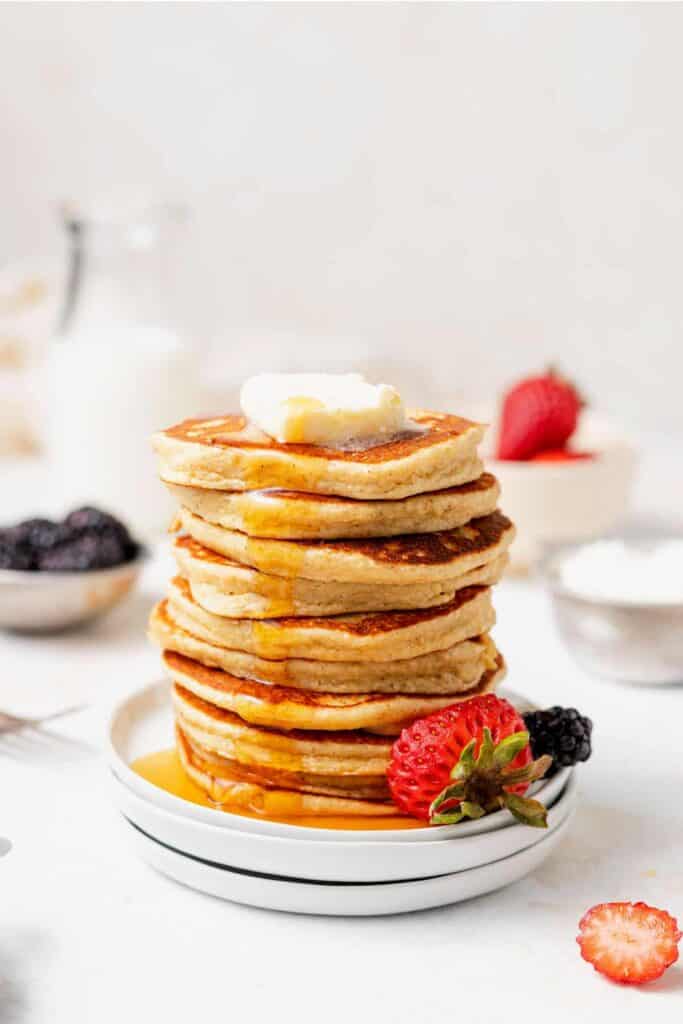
(629, 942)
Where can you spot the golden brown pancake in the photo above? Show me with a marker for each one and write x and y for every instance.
(212, 774)
(291, 515)
(351, 763)
(227, 453)
(372, 636)
(286, 708)
(225, 587)
(410, 559)
(449, 671)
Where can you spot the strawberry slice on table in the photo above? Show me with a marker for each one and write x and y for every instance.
(538, 414)
(631, 943)
(465, 761)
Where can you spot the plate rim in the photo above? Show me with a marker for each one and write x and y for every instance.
(269, 876)
(243, 850)
(397, 897)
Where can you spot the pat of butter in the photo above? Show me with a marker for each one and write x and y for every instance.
(323, 408)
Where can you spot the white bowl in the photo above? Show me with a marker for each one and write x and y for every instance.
(143, 723)
(358, 900)
(561, 502)
(36, 602)
(617, 638)
(376, 860)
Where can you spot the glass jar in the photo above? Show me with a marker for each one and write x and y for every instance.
(119, 367)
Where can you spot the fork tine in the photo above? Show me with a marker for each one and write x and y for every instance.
(14, 723)
(43, 745)
(72, 710)
(7, 720)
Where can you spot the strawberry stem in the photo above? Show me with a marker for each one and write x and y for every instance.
(481, 784)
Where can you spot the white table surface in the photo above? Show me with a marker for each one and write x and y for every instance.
(90, 934)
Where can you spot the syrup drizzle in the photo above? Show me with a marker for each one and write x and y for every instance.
(163, 769)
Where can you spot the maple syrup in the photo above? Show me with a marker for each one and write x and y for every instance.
(277, 558)
(164, 769)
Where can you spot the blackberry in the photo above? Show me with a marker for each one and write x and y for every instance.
(14, 555)
(94, 521)
(561, 732)
(38, 534)
(85, 552)
(87, 539)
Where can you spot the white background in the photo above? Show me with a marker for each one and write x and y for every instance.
(471, 189)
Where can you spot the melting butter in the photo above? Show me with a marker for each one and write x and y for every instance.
(331, 410)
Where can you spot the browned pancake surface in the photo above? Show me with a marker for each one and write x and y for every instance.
(439, 548)
(368, 787)
(217, 679)
(201, 553)
(350, 737)
(428, 548)
(485, 482)
(233, 431)
(362, 623)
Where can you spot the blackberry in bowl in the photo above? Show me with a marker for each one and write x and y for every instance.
(55, 574)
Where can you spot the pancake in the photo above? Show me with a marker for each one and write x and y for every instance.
(412, 558)
(349, 764)
(372, 636)
(348, 752)
(291, 515)
(286, 708)
(212, 774)
(229, 454)
(448, 672)
(225, 587)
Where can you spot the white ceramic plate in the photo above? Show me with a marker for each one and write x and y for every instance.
(273, 893)
(360, 861)
(143, 723)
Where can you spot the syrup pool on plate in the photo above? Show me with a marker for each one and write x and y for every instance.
(163, 769)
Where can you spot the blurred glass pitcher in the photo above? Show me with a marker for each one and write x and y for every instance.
(118, 368)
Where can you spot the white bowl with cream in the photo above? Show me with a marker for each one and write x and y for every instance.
(562, 502)
(618, 604)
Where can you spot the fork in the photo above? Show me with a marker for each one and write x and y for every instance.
(15, 723)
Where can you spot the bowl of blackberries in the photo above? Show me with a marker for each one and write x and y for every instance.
(59, 573)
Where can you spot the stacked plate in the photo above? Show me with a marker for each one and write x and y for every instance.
(310, 870)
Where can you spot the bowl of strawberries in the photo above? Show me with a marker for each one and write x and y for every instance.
(566, 472)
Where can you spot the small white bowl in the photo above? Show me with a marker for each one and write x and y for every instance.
(37, 602)
(617, 638)
(563, 502)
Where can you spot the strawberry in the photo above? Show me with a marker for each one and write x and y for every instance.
(629, 942)
(560, 455)
(465, 761)
(538, 413)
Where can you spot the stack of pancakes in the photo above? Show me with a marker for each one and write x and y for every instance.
(324, 599)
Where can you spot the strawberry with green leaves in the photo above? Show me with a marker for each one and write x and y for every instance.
(466, 761)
